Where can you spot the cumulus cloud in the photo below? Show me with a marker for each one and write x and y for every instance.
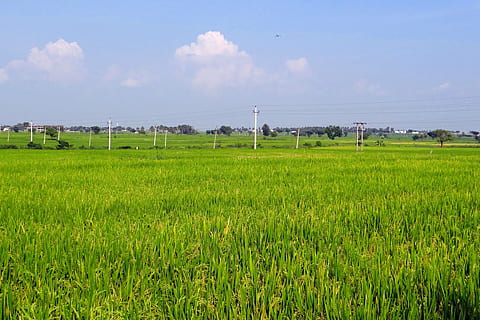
(297, 66)
(213, 62)
(59, 61)
(3, 76)
(209, 45)
(364, 86)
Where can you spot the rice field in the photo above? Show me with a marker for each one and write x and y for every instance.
(122, 140)
(321, 233)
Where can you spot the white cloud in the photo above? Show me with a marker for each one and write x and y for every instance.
(298, 66)
(364, 86)
(59, 61)
(130, 83)
(3, 76)
(213, 62)
(444, 86)
(130, 79)
(209, 46)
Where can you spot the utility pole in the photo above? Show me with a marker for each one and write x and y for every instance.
(215, 139)
(109, 134)
(8, 135)
(59, 130)
(155, 137)
(356, 139)
(90, 139)
(363, 129)
(31, 131)
(166, 131)
(255, 114)
(359, 126)
(44, 134)
(298, 137)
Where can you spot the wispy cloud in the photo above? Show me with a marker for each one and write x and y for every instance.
(3, 76)
(364, 86)
(443, 86)
(298, 66)
(131, 83)
(129, 79)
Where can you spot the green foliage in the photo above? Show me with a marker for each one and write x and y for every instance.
(420, 136)
(33, 145)
(226, 130)
(266, 130)
(52, 132)
(333, 131)
(442, 136)
(273, 134)
(96, 129)
(62, 145)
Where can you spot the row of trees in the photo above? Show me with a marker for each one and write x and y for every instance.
(332, 132)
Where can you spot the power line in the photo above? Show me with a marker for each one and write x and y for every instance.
(370, 102)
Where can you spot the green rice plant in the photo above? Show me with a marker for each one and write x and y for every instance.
(321, 233)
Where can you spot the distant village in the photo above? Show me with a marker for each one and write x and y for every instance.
(188, 129)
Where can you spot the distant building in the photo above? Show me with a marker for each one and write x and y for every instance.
(41, 127)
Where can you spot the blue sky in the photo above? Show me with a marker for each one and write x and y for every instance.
(404, 64)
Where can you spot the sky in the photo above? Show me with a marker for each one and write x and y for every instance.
(401, 64)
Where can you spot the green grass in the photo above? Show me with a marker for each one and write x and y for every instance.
(203, 141)
(321, 233)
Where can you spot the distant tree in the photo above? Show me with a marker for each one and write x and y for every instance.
(441, 135)
(16, 129)
(419, 136)
(52, 132)
(32, 145)
(273, 134)
(309, 132)
(96, 129)
(333, 131)
(186, 129)
(62, 145)
(227, 130)
(266, 130)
